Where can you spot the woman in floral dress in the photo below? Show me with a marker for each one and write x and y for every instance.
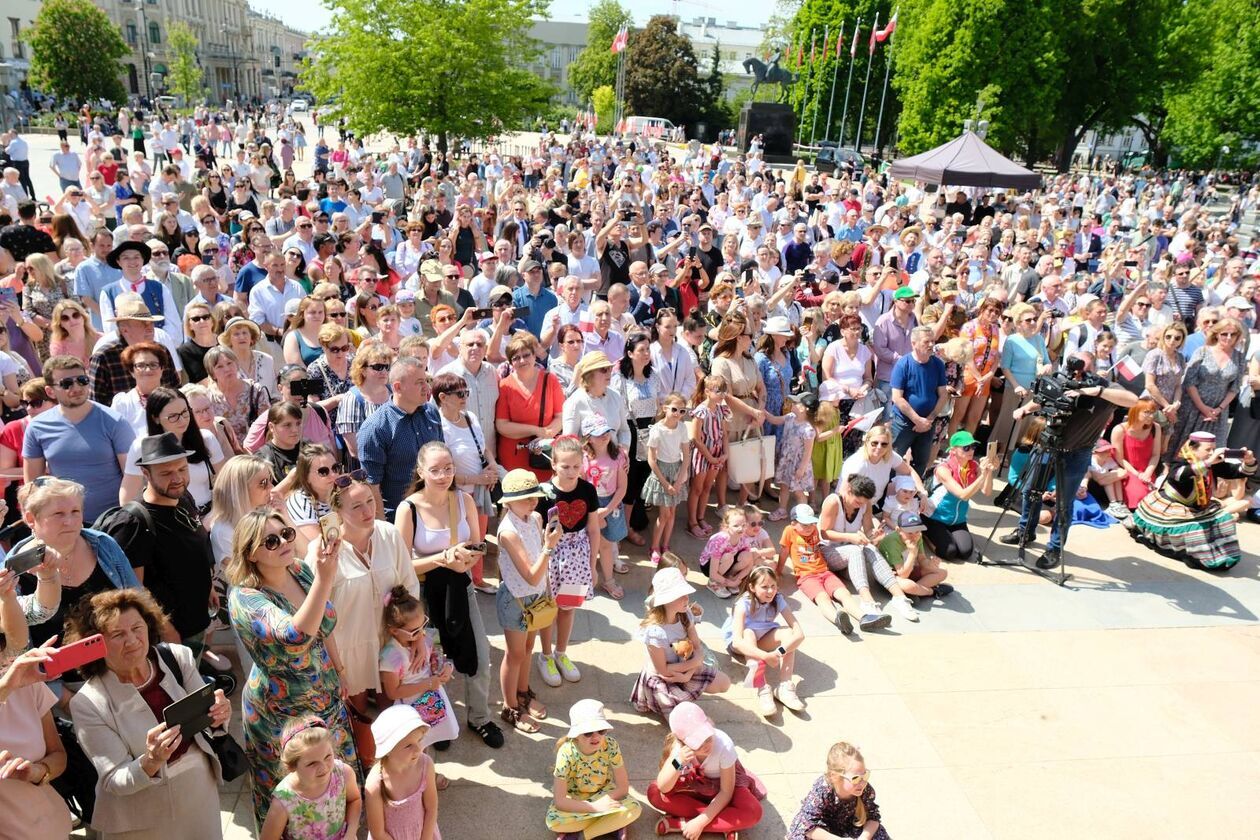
(276, 609)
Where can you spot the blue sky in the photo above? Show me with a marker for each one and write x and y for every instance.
(308, 15)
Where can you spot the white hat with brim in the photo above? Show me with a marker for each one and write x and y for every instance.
(225, 336)
(587, 716)
(668, 585)
(393, 724)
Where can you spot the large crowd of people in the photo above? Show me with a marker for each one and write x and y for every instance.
(277, 433)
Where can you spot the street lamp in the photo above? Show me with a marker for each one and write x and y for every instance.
(1224, 150)
(979, 126)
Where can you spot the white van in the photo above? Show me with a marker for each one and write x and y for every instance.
(655, 127)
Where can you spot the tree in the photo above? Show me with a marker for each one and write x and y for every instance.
(661, 75)
(76, 52)
(596, 64)
(451, 68)
(1218, 102)
(185, 74)
(605, 101)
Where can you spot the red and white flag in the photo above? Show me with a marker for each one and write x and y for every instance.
(886, 33)
(619, 42)
(1128, 368)
(874, 32)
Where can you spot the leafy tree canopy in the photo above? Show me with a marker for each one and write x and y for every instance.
(451, 68)
(596, 65)
(186, 77)
(662, 79)
(76, 52)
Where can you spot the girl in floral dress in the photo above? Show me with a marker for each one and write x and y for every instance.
(319, 798)
(841, 801)
(590, 788)
(794, 471)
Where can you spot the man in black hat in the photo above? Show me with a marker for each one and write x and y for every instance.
(130, 258)
(164, 539)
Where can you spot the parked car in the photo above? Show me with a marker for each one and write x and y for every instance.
(299, 106)
(830, 155)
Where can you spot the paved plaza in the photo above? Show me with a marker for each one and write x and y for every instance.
(1123, 705)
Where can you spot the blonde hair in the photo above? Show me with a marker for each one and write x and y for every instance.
(241, 570)
(840, 757)
(58, 332)
(300, 734)
(1220, 326)
(41, 269)
(330, 332)
(34, 496)
(230, 496)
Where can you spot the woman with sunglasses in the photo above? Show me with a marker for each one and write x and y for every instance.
(309, 492)
(241, 335)
(372, 559)
(1164, 369)
(1024, 358)
(282, 613)
(332, 369)
(1213, 379)
(199, 327)
(35, 402)
(168, 410)
(958, 478)
(370, 374)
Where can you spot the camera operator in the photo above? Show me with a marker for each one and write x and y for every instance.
(1093, 403)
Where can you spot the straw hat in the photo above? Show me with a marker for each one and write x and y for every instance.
(131, 307)
(233, 323)
(910, 230)
(592, 361)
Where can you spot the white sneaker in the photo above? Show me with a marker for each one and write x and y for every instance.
(904, 608)
(786, 694)
(547, 669)
(765, 701)
(567, 669)
(1118, 510)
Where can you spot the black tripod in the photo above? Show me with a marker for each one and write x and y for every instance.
(1044, 463)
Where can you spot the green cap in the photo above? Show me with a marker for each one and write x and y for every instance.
(903, 293)
(962, 437)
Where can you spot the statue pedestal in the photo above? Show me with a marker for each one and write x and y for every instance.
(775, 122)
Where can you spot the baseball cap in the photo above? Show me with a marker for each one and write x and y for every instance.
(691, 725)
(804, 514)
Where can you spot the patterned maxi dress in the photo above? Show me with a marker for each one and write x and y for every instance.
(292, 676)
(1213, 382)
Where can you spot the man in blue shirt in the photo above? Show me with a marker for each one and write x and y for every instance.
(254, 271)
(532, 294)
(390, 439)
(335, 203)
(93, 275)
(919, 394)
(79, 440)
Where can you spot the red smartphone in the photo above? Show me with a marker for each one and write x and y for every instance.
(73, 656)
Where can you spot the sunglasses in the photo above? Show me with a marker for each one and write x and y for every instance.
(32, 403)
(1145, 304)
(415, 632)
(673, 409)
(273, 541)
(379, 367)
(71, 316)
(340, 315)
(197, 319)
(856, 778)
(326, 471)
(82, 380)
(877, 444)
(462, 393)
(344, 480)
(341, 348)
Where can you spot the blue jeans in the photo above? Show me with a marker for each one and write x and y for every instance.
(905, 437)
(1075, 466)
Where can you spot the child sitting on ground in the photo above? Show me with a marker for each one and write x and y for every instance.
(1106, 471)
(753, 632)
(802, 542)
(841, 803)
(728, 556)
(590, 787)
(903, 547)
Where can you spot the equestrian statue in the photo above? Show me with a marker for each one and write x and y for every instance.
(770, 74)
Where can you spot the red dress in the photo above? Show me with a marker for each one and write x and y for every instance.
(1137, 451)
(518, 406)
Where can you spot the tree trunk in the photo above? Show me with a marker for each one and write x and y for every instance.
(442, 144)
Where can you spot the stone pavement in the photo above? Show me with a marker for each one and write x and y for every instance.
(1125, 704)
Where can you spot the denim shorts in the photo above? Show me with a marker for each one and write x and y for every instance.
(508, 609)
(615, 529)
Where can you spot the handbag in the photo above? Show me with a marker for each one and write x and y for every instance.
(743, 461)
(361, 729)
(539, 614)
(537, 460)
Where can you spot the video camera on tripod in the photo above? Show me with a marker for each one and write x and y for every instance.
(1059, 398)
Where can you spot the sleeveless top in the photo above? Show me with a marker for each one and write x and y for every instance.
(434, 540)
(531, 540)
(323, 817)
(309, 352)
(404, 818)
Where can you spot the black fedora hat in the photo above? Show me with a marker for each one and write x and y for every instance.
(124, 247)
(158, 449)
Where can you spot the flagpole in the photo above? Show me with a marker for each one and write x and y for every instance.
(814, 128)
(848, 86)
(870, 59)
(835, 74)
(800, 129)
(887, 71)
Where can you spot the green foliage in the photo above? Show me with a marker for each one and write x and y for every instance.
(596, 65)
(1219, 102)
(605, 100)
(451, 68)
(185, 77)
(76, 52)
(662, 76)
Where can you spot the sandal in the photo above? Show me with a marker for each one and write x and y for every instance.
(528, 701)
(614, 591)
(441, 782)
(697, 532)
(520, 721)
(707, 528)
(779, 515)
(656, 557)
(621, 567)
(635, 538)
